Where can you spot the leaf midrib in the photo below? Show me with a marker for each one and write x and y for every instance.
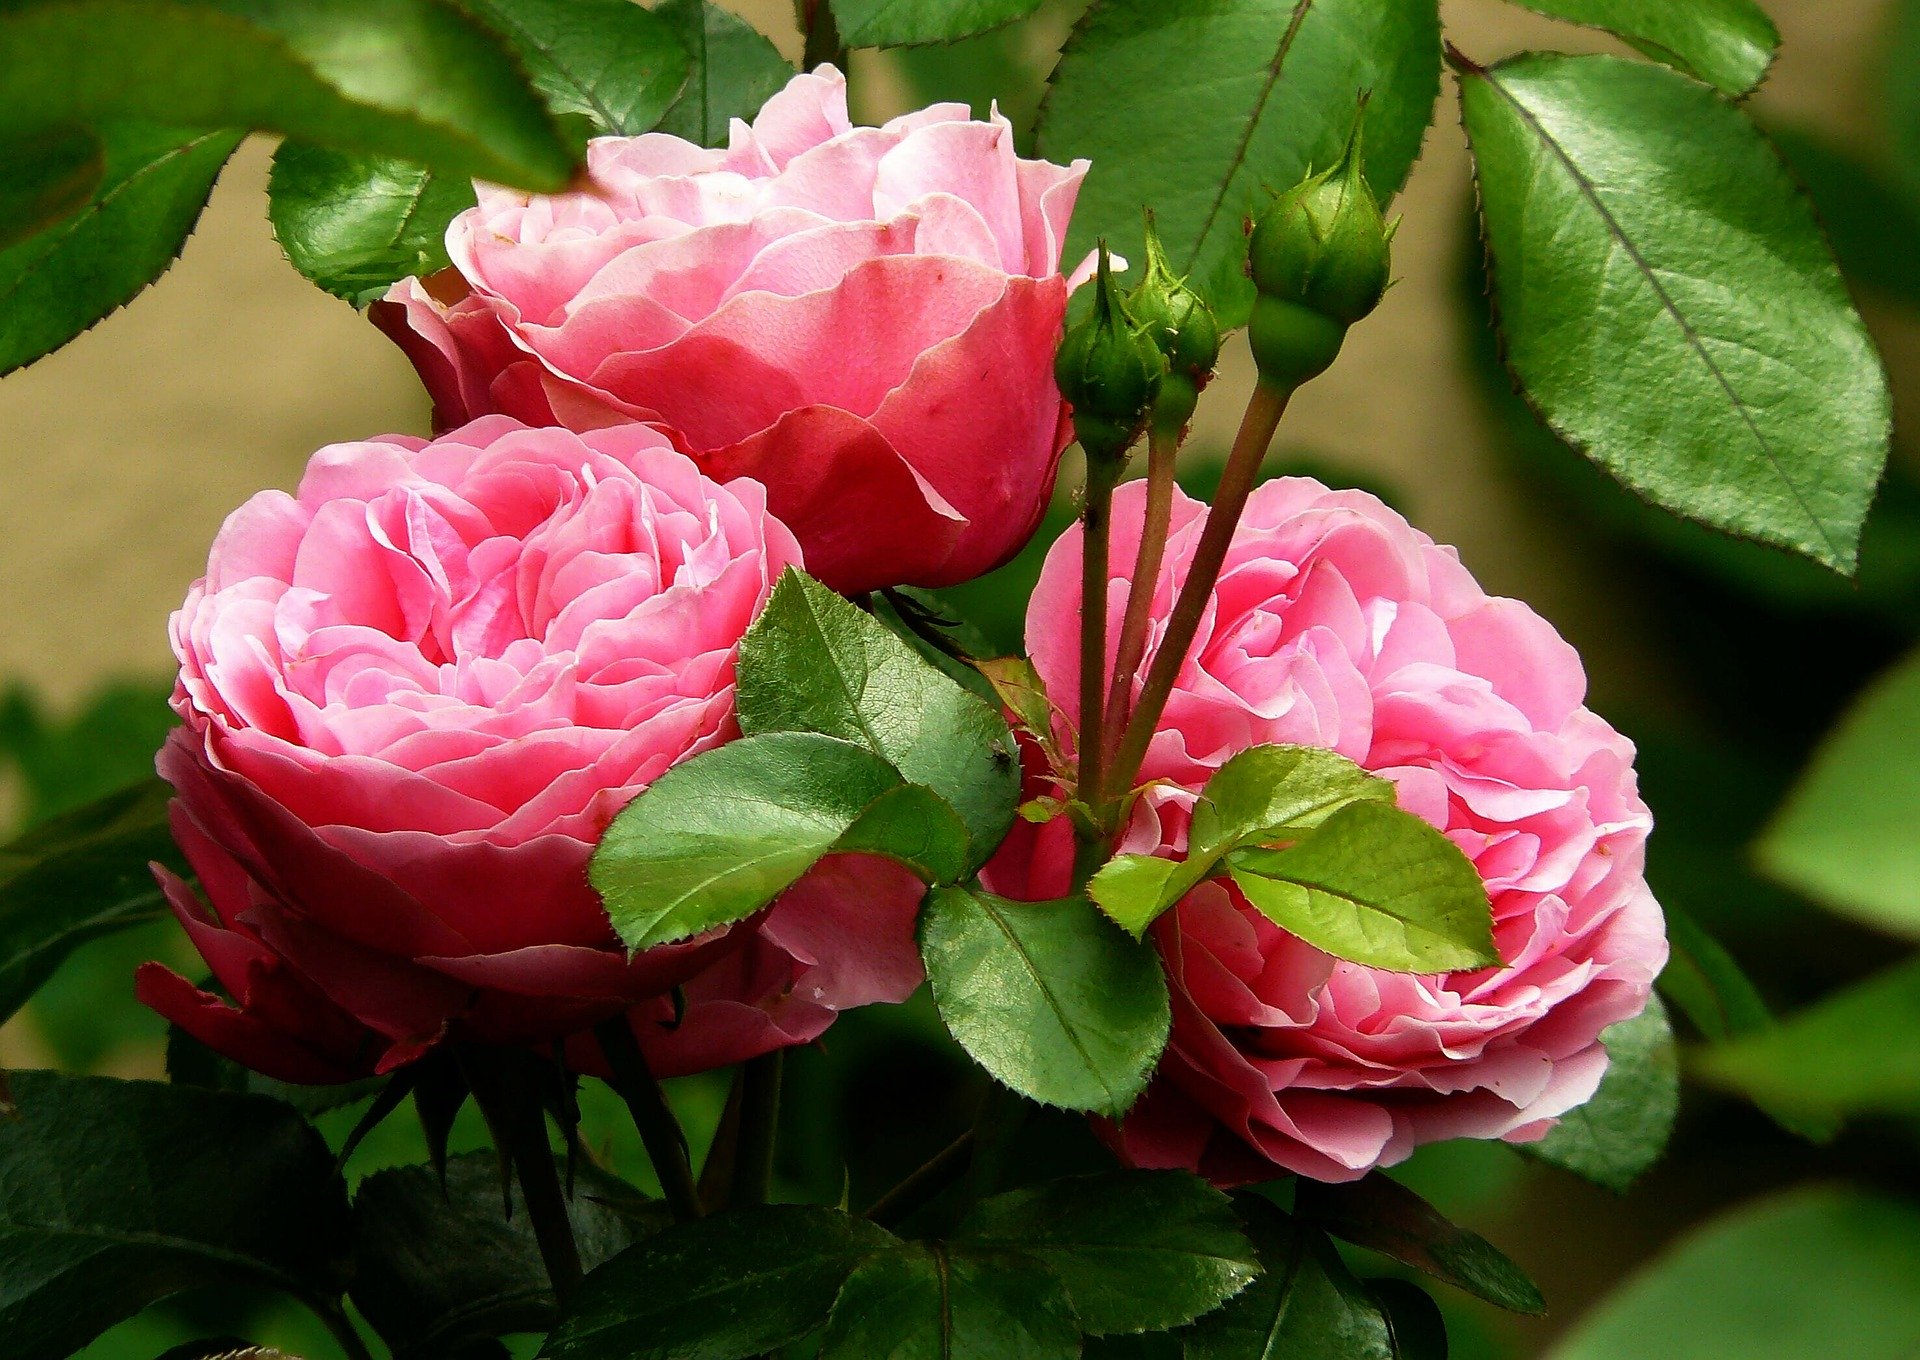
(1047, 994)
(1616, 230)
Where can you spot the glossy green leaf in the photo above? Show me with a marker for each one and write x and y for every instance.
(1613, 1138)
(56, 284)
(1265, 794)
(354, 223)
(46, 177)
(734, 71)
(609, 62)
(80, 876)
(1305, 1304)
(1382, 1215)
(1136, 1250)
(1668, 302)
(1814, 1274)
(725, 1287)
(1050, 997)
(1378, 886)
(1197, 109)
(714, 840)
(413, 78)
(439, 1266)
(904, 23)
(1856, 1052)
(116, 1193)
(932, 1300)
(1728, 43)
(815, 662)
(1849, 835)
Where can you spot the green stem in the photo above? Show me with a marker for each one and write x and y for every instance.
(1162, 448)
(917, 1190)
(1095, 538)
(759, 1129)
(507, 1092)
(341, 1328)
(1264, 411)
(660, 1132)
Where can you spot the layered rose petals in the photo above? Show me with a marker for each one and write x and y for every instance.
(861, 319)
(1336, 624)
(414, 694)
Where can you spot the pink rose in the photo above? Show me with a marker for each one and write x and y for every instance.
(414, 694)
(1338, 625)
(861, 319)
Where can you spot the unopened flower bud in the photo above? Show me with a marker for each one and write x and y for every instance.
(1108, 370)
(1175, 318)
(1324, 244)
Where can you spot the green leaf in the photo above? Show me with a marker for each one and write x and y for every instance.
(734, 71)
(1265, 794)
(1703, 980)
(609, 62)
(721, 1288)
(439, 1266)
(353, 223)
(1728, 43)
(1050, 997)
(716, 839)
(80, 876)
(1810, 1275)
(929, 1299)
(1196, 110)
(905, 23)
(1900, 88)
(1377, 886)
(1613, 1138)
(1305, 1303)
(1856, 1052)
(413, 78)
(114, 1194)
(45, 178)
(1382, 1215)
(1846, 837)
(815, 662)
(55, 285)
(1668, 302)
(1414, 1321)
(1136, 1250)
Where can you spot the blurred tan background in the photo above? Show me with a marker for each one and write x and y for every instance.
(124, 451)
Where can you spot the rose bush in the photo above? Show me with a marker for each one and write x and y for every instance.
(861, 319)
(413, 696)
(1336, 624)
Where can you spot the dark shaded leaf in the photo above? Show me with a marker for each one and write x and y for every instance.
(929, 1299)
(734, 71)
(609, 62)
(1051, 998)
(902, 23)
(721, 1288)
(1384, 1216)
(1414, 1321)
(1624, 1128)
(1136, 1250)
(46, 177)
(114, 1194)
(56, 284)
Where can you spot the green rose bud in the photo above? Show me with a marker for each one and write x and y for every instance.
(1178, 321)
(1323, 244)
(1109, 370)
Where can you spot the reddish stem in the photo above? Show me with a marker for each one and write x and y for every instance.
(1162, 447)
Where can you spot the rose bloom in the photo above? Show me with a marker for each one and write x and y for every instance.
(1336, 624)
(413, 696)
(863, 320)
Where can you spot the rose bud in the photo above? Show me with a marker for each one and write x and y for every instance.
(1108, 370)
(1338, 625)
(1180, 322)
(861, 319)
(414, 694)
(1321, 258)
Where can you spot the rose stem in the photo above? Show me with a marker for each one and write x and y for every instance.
(1162, 448)
(823, 36)
(341, 1328)
(666, 1145)
(1094, 540)
(913, 1193)
(508, 1095)
(759, 1129)
(1264, 410)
